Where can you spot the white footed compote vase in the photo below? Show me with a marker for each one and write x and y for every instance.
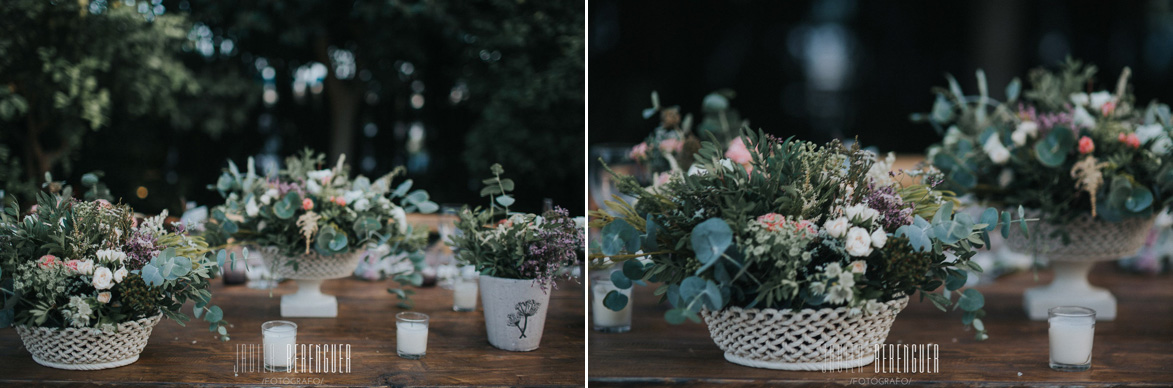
(88, 348)
(1091, 240)
(807, 339)
(312, 269)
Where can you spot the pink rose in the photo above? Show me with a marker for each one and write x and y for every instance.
(307, 204)
(72, 265)
(737, 152)
(1086, 146)
(1108, 108)
(1130, 139)
(48, 261)
(638, 152)
(671, 145)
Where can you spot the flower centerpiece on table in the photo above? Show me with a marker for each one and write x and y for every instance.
(80, 278)
(518, 256)
(1094, 166)
(315, 221)
(803, 228)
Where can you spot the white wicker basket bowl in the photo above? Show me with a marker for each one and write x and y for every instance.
(808, 339)
(312, 266)
(1092, 239)
(88, 348)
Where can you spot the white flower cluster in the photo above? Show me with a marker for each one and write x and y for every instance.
(853, 228)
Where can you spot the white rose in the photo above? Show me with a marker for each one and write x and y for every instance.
(313, 187)
(120, 274)
(879, 238)
(1031, 128)
(1079, 99)
(1162, 145)
(1149, 132)
(1082, 119)
(1018, 137)
(251, 207)
(85, 267)
(833, 270)
(859, 242)
(853, 212)
(870, 215)
(1098, 99)
(103, 278)
(997, 152)
(269, 195)
(104, 297)
(836, 227)
(859, 266)
(400, 219)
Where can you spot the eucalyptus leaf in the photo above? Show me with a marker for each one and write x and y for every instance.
(615, 301)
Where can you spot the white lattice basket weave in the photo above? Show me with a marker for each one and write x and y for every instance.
(88, 348)
(1092, 239)
(312, 266)
(808, 339)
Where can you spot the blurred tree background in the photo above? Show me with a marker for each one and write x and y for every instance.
(160, 93)
(822, 69)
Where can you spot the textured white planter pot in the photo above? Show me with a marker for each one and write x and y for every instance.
(808, 339)
(312, 269)
(1092, 240)
(515, 312)
(88, 348)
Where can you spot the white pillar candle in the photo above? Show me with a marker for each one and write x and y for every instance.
(605, 318)
(411, 337)
(1071, 341)
(280, 343)
(464, 295)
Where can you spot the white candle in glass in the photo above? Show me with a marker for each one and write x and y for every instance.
(464, 295)
(605, 319)
(411, 337)
(280, 343)
(1072, 331)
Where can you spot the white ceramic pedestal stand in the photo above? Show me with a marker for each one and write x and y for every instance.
(312, 270)
(1091, 241)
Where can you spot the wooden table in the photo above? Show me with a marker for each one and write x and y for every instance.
(1136, 349)
(458, 351)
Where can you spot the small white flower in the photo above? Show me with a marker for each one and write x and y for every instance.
(362, 204)
(859, 266)
(104, 297)
(818, 288)
(1098, 99)
(836, 227)
(846, 279)
(859, 242)
(320, 175)
(1079, 99)
(1162, 145)
(120, 274)
(1031, 128)
(695, 170)
(313, 187)
(869, 215)
(879, 238)
(267, 198)
(997, 152)
(728, 164)
(103, 278)
(1018, 137)
(85, 267)
(853, 212)
(832, 270)
(251, 207)
(400, 218)
(839, 294)
(874, 307)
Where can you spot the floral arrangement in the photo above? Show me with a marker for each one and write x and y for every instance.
(516, 245)
(92, 264)
(671, 145)
(1056, 148)
(802, 226)
(306, 208)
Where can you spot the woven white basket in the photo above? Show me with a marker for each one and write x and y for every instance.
(1092, 239)
(88, 348)
(312, 266)
(808, 339)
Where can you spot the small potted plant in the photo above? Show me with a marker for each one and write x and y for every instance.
(518, 256)
(85, 282)
(1093, 167)
(315, 223)
(805, 250)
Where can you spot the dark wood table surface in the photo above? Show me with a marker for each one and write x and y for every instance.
(1136, 349)
(458, 351)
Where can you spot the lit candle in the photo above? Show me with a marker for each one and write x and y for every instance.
(411, 337)
(280, 343)
(464, 295)
(1071, 334)
(605, 319)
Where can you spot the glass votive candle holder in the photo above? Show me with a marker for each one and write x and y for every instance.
(604, 319)
(411, 337)
(1071, 333)
(280, 344)
(464, 293)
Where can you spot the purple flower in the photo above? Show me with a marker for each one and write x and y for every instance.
(893, 211)
(555, 246)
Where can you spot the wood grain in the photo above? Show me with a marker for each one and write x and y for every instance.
(458, 351)
(1136, 349)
